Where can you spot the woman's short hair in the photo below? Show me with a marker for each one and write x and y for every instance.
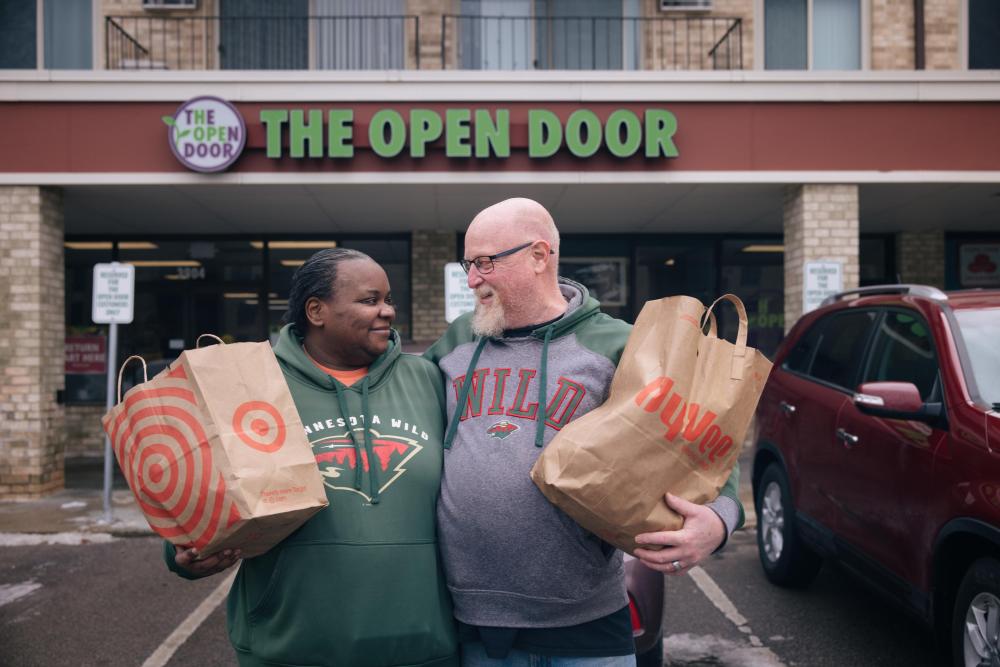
(316, 278)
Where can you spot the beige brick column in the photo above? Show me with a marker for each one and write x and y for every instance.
(920, 258)
(821, 224)
(429, 252)
(430, 13)
(32, 341)
(892, 35)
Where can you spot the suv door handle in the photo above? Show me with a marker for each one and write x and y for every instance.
(787, 408)
(848, 439)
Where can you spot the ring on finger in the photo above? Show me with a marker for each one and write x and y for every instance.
(677, 565)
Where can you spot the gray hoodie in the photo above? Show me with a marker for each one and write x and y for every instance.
(512, 559)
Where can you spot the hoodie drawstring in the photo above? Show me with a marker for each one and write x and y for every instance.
(542, 397)
(342, 404)
(372, 463)
(463, 395)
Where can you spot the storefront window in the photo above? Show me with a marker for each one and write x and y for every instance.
(753, 269)
(603, 265)
(187, 288)
(674, 267)
(86, 342)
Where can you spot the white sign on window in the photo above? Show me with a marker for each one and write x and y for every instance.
(980, 264)
(114, 288)
(821, 280)
(458, 298)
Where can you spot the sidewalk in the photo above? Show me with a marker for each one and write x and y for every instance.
(79, 508)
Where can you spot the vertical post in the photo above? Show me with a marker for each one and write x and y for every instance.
(111, 400)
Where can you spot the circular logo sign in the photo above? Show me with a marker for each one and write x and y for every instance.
(206, 134)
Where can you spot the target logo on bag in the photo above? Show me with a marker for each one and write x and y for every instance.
(259, 425)
(162, 448)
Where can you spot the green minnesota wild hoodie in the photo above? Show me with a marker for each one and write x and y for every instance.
(359, 584)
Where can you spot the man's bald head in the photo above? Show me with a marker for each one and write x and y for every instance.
(522, 288)
(516, 220)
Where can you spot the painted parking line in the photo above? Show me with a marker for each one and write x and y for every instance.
(717, 597)
(11, 592)
(161, 656)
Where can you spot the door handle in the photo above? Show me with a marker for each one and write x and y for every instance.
(849, 439)
(787, 408)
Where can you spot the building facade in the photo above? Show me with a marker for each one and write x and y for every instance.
(770, 149)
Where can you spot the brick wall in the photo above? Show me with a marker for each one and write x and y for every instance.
(32, 340)
(84, 435)
(920, 257)
(429, 251)
(430, 13)
(892, 35)
(175, 39)
(941, 36)
(821, 224)
(680, 45)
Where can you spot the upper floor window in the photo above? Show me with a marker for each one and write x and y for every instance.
(812, 34)
(67, 28)
(984, 34)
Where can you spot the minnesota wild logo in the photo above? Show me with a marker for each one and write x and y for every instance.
(501, 429)
(206, 134)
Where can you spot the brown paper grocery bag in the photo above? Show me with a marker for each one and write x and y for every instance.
(214, 451)
(679, 407)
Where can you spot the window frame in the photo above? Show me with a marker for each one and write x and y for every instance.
(824, 321)
(759, 37)
(869, 356)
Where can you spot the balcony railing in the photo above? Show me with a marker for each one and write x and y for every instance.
(591, 43)
(394, 42)
(262, 42)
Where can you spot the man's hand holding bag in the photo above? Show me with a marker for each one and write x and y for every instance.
(679, 408)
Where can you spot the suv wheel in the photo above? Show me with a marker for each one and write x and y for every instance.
(786, 560)
(976, 623)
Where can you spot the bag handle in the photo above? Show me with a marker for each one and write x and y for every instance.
(197, 342)
(713, 327)
(145, 375)
(740, 351)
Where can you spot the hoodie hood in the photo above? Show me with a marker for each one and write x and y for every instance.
(581, 307)
(294, 362)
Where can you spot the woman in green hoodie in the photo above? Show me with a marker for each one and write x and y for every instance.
(360, 583)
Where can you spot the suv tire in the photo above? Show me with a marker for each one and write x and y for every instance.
(786, 560)
(977, 616)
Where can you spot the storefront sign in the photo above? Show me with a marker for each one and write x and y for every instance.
(468, 133)
(822, 279)
(114, 287)
(458, 298)
(980, 265)
(206, 134)
(86, 355)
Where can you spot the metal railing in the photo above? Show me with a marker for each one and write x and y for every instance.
(121, 47)
(262, 42)
(589, 42)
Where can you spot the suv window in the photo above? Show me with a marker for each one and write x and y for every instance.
(840, 346)
(801, 356)
(904, 352)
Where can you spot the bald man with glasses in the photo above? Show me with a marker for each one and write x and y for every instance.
(530, 586)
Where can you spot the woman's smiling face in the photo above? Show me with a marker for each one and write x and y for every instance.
(355, 321)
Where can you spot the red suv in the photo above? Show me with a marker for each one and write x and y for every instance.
(879, 446)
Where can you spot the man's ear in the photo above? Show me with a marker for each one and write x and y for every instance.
(540, 253)
(315, 310)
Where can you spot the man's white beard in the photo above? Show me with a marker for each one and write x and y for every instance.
(489, 321)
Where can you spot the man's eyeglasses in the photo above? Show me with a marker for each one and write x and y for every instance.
(484, 263)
